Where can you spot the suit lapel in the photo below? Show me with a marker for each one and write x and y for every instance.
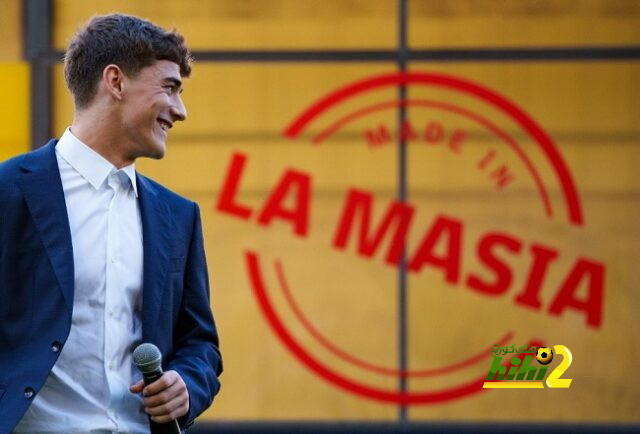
(156, 231)
(42, 190)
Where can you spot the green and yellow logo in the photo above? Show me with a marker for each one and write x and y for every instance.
(525, 374)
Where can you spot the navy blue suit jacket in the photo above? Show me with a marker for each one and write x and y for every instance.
(37, 284)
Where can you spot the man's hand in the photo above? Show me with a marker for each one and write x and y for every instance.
(165, 399)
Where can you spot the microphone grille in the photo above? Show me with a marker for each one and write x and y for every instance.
(147, 357)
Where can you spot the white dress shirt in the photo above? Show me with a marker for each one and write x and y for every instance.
(88, 388)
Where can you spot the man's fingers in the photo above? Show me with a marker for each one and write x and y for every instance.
(167, 407)
(137, 387)
(180, 411)
(163, 397)
(173, 408)
(160, 384)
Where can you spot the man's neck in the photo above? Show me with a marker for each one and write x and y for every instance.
(91, 131)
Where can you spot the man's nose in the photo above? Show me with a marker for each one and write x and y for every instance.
(178, 110)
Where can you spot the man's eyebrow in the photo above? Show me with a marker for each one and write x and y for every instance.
(177, 84)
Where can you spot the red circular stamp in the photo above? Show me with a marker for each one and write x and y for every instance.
(478, 109)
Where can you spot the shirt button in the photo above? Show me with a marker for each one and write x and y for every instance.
(28, 393)
(111, 366)
(55, 346)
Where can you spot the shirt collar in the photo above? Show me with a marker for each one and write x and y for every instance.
(88, 163)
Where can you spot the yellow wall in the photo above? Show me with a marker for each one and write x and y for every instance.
(11, 30)
(14, 112)
(590, 110)
(250, 24)
(526, 23)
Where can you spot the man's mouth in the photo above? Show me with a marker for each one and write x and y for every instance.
(165, 125)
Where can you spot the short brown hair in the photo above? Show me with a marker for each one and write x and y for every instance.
(124, 40)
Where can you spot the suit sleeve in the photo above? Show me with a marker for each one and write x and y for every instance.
(196, 356)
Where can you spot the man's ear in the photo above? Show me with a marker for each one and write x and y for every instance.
(113, 80)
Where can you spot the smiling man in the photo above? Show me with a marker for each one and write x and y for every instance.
(96, 258)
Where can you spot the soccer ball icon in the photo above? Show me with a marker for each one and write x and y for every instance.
(544, 355)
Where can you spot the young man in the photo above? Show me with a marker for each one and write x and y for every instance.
(96, 259)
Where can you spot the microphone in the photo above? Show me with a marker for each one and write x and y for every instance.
(148, 359)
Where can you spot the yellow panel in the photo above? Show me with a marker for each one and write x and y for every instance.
(249, 24)
(523, 23)
(590, 112)
(14, 113)
(11, 31)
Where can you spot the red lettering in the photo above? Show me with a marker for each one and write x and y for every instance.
(434, 132)
(456, 139)
(300, 185)
(398, 215)
(482, 164)
(502, 176)
(486, 254)
(378, 137)
(593, 273)
(440, 246)
(449, 261)
(227, 202)
(542, 256)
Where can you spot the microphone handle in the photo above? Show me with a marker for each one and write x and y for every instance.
(150, 377)
(171, 427)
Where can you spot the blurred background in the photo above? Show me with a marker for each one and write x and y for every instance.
(389, 189)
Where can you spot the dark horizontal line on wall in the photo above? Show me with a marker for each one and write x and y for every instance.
(436, 55)
(297, 56)
(525, 54)
(278, 56)
(238, 427)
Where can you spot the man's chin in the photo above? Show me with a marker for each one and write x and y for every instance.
(156, 152)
